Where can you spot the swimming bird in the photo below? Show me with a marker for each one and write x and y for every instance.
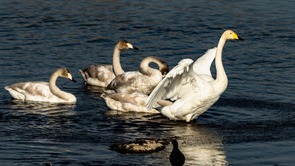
(102, 75)
(141, 145)
(176, 157)
(190, 86)
(142, 81)
(43, 91)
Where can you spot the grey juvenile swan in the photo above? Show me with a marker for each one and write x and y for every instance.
(43, 91)
(143, 81)
(131, 89)
(102, 75)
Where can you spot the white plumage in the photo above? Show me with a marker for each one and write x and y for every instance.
(190, 85)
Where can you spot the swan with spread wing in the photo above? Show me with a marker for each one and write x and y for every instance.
(189, 89)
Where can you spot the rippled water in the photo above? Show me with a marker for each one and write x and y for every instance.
(252, 124)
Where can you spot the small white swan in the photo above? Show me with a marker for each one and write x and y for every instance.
(43, 91)
(190, 86)
(142, 81)
(102, 75)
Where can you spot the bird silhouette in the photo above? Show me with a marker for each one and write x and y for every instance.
(176, 157)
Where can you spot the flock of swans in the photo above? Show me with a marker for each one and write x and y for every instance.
(183, 93)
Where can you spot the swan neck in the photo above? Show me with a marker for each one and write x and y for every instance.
(116, 62)
(52, 83)
(146, 69)
(55, 90)
(221, 77)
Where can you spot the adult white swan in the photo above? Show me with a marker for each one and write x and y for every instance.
(43, 91)
(190, 86)
(102, 75)
(142, 81)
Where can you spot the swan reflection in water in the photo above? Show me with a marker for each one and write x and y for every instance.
(42, 108)
(200, 145)
(132, 116)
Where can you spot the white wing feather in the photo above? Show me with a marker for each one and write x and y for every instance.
(202, 65)
(170, 80)
(183, 79)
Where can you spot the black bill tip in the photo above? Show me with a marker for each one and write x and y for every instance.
(73, 80)
(241, 39)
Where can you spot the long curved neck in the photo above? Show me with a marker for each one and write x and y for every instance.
(221, 78)
(146, 69)
(116, 62)
(55, 90)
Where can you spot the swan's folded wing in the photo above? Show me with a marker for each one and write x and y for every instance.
(123, 81)
(97, 71)
(22, 90)
(169, 86)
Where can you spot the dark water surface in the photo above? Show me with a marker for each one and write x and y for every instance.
(252, 124)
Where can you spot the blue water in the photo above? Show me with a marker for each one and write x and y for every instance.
(252, 124)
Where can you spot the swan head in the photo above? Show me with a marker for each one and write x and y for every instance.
(231, 35)
(65, 73)
(125, 45)
(164, 68)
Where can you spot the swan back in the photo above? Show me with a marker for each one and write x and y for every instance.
(98, 75)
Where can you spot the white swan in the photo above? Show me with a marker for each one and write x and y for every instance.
(142, 81)
(190, 86)
(102, 75)
(43, 91)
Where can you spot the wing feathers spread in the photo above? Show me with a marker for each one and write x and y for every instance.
(171, 80)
